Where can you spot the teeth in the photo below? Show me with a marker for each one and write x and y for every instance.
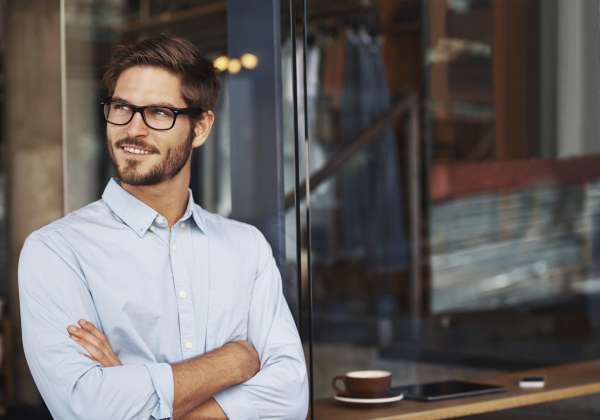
(135, 150)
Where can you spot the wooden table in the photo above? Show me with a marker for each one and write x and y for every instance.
(562, 382)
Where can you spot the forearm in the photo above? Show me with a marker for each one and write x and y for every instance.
(279, 390)
(198, 379)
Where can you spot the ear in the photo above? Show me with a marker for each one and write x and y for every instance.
(202, 128)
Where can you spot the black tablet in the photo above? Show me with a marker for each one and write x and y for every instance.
(448, 389)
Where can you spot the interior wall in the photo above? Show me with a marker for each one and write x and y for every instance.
(578, 85)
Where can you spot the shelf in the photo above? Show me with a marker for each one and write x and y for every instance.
(562, 382)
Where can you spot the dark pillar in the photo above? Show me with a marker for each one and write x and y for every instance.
(256, 121)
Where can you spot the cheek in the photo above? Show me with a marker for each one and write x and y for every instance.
(112, 134)
(179, 136)
(181, 130)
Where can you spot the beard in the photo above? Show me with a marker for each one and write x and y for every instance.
(174, 161)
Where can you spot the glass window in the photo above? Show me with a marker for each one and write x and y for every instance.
(480, 255)
(364, 75)
(511, 102)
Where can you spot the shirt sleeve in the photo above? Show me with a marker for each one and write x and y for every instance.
(54, 294)
(280, 389)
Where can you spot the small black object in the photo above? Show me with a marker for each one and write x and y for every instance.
(437, 391)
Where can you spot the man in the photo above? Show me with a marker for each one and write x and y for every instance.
(142, 305)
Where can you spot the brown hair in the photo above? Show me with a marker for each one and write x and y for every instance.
(199, 82)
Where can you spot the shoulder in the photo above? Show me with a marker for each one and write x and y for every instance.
(68, 229)
(244, 236)
(218, 225)
(242, 241)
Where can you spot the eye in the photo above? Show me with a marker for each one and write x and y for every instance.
(120, 107)
(159, 112)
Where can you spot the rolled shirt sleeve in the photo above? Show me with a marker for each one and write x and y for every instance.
(53, 294)
(280, 389)
(162, 379)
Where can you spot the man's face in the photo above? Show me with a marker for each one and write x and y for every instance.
(168, 151)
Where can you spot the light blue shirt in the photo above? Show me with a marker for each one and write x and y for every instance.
(159, 296)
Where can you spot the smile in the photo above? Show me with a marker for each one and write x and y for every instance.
(136, 150)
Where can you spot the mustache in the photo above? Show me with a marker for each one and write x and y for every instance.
(135, 142)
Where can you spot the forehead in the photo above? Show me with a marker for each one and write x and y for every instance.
(143, 85)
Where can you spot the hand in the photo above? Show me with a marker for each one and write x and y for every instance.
(97, 345)
(246, 357)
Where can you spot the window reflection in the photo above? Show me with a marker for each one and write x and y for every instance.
(360, 229)
(513, 176)
(509, 174)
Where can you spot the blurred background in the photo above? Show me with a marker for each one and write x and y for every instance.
(426, 171)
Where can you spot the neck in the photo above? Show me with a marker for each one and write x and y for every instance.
(169, 198)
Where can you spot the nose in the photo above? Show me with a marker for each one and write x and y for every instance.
(136, 126)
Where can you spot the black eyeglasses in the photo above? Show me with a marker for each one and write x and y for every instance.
(157, 117)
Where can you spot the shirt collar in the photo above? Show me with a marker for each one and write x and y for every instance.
(137, 214)
(196, 211)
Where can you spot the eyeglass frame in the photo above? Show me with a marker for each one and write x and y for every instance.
(176, 111)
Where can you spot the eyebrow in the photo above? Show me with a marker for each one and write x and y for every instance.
(164, 104)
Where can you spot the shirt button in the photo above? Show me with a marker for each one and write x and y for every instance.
(183, 226)
(183, 294)
(174, 248)
(188, 344)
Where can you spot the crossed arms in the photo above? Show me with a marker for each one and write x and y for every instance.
(196, 380)
(54, 295)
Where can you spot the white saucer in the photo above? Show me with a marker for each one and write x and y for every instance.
(387, 399)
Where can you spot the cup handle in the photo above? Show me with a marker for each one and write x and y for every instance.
(335, 386)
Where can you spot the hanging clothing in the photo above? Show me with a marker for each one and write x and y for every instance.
(372, 209)
(323, 197)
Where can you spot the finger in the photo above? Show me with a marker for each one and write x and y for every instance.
(99, 349)
(95, 353)
(85, 335)
(114, 360)
(87, 339)
(91, 328)
(103, 341)
(98, 341)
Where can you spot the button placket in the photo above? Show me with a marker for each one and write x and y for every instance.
(184, 302)
(172, 242)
